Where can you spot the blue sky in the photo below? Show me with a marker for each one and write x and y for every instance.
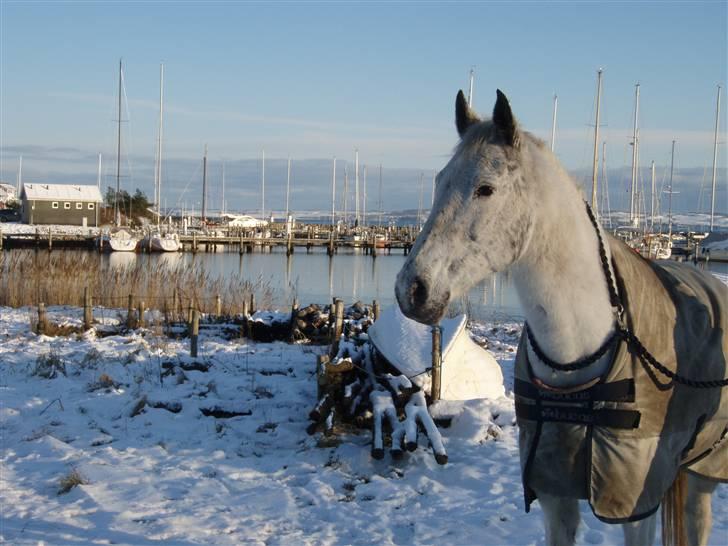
(313, 80)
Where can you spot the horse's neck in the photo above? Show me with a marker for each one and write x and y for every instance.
(562, 288)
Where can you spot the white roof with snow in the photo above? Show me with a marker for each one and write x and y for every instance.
(61, 192)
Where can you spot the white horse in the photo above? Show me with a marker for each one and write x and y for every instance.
(504, 202)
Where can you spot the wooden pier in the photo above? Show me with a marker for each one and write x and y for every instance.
(372, 241)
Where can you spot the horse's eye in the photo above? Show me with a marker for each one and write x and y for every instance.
(484, 191)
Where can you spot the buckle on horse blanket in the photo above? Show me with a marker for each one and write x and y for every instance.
(584, 412)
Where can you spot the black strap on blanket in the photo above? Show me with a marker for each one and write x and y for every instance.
(617, 391)
(582, 414)
(603, 417)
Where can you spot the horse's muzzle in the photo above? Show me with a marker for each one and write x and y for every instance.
(417, 300)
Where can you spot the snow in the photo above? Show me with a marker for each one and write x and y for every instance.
(17, 228)
(127, 416)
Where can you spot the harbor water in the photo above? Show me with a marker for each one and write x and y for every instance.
(314, 277)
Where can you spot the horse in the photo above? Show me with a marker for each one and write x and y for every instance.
(619, 384)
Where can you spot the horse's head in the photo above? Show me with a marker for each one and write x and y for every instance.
(479, 223)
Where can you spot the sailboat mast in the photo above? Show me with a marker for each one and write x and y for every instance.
(346, 194)
(553, 123)
(419, 207)
(20, 177)
(652, 196)
(222, 204)
(262, 190)
(117, 218)
(98, 173)
(356, 187)
(669, 200)
(158, 196)
(606, 209)
(470, 87)
(594, 206)
(715, 159)
(288, 188)
(364, 202)
(333, 196)
(635, 144)
(432, 199)
(203, 212)
(380, 195)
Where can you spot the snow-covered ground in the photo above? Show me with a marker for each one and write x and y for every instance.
(126, 419)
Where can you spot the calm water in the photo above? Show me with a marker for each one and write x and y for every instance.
(316, 278)
(352, 276)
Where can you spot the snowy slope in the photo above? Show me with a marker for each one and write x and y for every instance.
(162, 472)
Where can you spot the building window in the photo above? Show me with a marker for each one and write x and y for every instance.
(79, 206)
(90, 206)
(67, 206)
(54, 205)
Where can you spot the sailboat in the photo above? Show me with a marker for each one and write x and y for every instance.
(118, 239)
(156, 241)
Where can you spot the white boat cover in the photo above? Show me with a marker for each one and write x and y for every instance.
(468, 370)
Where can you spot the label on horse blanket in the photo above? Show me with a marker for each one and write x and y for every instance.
(680, 314)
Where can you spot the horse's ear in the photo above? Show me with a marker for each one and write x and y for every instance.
(464, 116)
(504, 121)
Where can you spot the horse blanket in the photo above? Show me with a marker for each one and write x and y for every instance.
(620, 440)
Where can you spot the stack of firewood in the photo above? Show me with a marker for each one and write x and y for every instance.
(357, 387)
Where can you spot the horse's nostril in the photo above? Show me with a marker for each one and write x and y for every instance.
(419, 292)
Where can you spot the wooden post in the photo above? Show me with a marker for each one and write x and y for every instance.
(141, 314)
(218, 306)
(190, 310)
(130, 312)
(242, 245)
(50, 239)
(194, 242)
(252, 303)
(194, 333)
(88, 311)
(338, 325)
(376, 309)
(294, 316)
(436, 362)
(42, 318)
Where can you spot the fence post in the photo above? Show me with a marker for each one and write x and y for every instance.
(42, 318)
(88, 311)
(189, 312)
(338, 325)
(194, 333)
(294, 316)
(130, 312)
(436, 362)
(141, 314)
(252, 303)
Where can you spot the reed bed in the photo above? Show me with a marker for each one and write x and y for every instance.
(59, 278)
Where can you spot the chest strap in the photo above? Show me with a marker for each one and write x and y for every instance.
(578, 407)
